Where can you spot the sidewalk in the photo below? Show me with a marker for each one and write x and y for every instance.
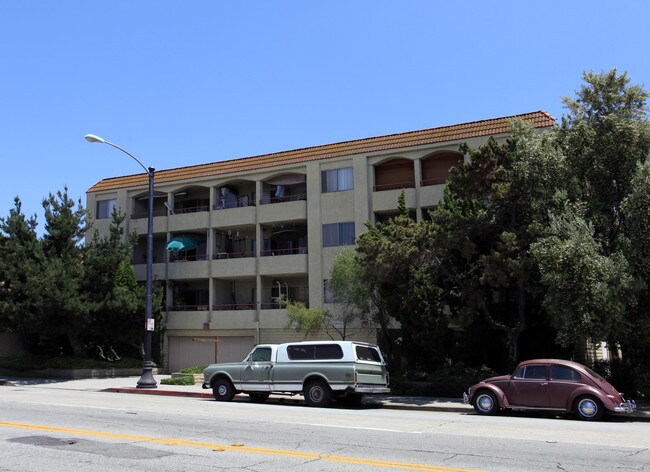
(128, 385)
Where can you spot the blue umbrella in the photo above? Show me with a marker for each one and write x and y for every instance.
(182, 242)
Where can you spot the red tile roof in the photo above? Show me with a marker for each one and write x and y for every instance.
(539, 119)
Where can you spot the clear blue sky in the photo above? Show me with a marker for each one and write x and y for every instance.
(187, 82)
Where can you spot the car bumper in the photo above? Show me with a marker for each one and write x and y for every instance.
(626, 407)
(369, 389)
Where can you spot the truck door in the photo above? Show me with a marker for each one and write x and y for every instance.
(256, 376)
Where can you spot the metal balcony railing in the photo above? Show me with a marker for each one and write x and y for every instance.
(283, 252)
(288, 198)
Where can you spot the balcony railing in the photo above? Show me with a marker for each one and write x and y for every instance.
(234, 306)
(284, 252)
(196, 209)
(233, 255)
(188, 308)
(144, 214)
(393, 186)
(436, 181)
(288, 198)
(241, 202)
(187, 258)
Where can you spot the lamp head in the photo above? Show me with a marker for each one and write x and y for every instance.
(91, 138)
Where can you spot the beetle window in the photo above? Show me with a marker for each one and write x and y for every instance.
(560, 372)
(365, 353)
(531, 372)
(262, 354)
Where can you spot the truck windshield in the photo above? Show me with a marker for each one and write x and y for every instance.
(261, 354)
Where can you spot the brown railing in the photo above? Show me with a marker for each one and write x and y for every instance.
(393, 186)
(145, 214)
(188, 308)
(280, 306)
(233, 255)
(288, 198)
(233, 306)
(241, 202)
(284, 252)
(183, 258)
(436, 181)
(196, 209)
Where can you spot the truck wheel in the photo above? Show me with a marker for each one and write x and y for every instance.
(318, 393)
(223, 390)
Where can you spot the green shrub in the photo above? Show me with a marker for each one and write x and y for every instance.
(182, 380)
(33, 362)
(194, 370)
(449, 381)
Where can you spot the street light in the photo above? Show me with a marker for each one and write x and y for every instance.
(146, 379)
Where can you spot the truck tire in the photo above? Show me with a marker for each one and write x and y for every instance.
(318, 393)
(223, 390)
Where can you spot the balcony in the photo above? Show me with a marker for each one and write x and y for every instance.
(234, 306)
(283, 252)
(290, 198)
(239, 202)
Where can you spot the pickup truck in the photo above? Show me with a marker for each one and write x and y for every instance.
(320, 370)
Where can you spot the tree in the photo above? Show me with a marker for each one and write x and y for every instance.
(402, 268)
(308, 321)
(606, 140)
(494, 207)
(61, 279)
(20, 259)
(110, 290)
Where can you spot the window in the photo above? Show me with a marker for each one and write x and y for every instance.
(262, 354)
(560, 372)
(314, 351)
(105, 208)
(365, 353)
(336, 180)
(537, 372)
(338, 234)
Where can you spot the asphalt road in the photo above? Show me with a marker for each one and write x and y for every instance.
(53, 429)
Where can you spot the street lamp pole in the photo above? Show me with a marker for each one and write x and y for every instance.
(146, 379)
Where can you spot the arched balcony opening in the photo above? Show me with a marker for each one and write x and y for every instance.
(235, 194)
(191, 200)
(394, 175)
(140, 205)
(436, 168)
(284, 188)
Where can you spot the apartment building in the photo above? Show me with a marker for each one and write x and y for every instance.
(232, 238)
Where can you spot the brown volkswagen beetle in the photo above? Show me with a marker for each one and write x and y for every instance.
(549, 384)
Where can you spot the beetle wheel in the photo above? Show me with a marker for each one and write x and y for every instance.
(588, 408)
(485, 403)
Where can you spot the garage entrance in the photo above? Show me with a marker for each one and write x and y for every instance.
(186, 351)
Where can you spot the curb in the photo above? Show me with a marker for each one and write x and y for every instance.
(206, 395)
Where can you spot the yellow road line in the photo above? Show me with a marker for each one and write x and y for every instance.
(236, 448)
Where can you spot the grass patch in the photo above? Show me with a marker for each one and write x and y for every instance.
(182, 380)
